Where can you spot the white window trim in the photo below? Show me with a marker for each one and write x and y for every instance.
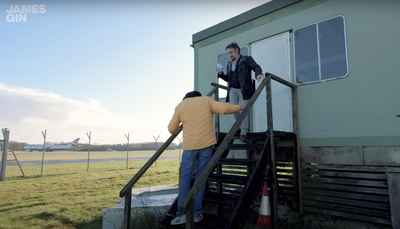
(319, 59)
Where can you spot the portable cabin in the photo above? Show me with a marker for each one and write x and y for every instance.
(343, 56)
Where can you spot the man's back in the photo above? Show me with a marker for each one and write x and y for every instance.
(195, 114)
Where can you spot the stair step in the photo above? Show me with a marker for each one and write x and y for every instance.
(242, 147)
(233, 161)
(235, 189)
(259, 135)
(221, 198)
(228, 179)
(230, 203)
(222, 195)
(229, 190)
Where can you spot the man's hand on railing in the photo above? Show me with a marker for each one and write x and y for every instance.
(241, 105)
(260, 77)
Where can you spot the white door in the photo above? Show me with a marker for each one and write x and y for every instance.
(273, 55)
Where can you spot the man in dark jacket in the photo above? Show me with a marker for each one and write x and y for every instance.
(240, 84)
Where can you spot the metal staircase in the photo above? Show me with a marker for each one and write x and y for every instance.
(232, 184)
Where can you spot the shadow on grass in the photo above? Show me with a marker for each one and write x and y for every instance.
(44, 216)
(19, 206)
(96, 223)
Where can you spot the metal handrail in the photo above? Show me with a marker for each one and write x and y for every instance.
(188, 203)
(219, 86)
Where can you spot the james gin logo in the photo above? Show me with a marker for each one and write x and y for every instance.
(18, 13)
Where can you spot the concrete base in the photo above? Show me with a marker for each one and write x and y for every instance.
(155, 199)
(394, 196)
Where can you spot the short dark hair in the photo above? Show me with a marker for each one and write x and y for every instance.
(192, 94)
(233, 45)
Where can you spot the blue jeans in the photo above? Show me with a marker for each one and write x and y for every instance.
(235, 98)
(189, 158)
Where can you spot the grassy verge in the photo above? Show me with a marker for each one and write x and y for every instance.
(67, 196)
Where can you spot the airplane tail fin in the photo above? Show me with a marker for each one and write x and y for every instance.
(75, 142)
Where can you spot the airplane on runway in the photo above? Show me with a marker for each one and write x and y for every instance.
(50, 148)
(108, 149)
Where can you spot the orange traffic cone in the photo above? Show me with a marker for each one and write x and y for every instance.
(264, 218)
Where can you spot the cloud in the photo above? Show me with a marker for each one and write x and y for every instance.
(26, 112)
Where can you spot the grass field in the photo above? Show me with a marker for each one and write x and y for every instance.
(82, 155)
(67, 196)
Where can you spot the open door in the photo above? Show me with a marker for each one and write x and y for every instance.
(273, 55)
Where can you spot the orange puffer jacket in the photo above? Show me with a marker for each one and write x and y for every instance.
(196, 116)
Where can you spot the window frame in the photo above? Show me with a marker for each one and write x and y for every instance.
(319, 54)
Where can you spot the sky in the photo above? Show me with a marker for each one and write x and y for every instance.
(109, 67)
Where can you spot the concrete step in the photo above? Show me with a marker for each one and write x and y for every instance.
(155, 199)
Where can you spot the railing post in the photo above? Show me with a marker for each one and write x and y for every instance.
(272, 157)
(190, 217)
(295, 140)
(217, 127)
(296, 151)
(127, 209)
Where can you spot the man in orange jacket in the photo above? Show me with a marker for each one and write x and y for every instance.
(195, 113)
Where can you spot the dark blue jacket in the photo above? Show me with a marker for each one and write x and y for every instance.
(245, 65)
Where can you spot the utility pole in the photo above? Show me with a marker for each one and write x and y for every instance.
(127, 151)
(44, 146)
(156, 145)
(88, 156)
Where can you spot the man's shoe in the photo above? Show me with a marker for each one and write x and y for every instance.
(180, 220)
(198, 218)
(243, 138)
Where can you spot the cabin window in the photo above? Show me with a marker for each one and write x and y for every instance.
(320, 51)
(224, 59)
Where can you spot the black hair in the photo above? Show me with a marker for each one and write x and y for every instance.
(192, 94)
(233, 45)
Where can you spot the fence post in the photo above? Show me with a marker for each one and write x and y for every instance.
(127, 151)
(88, 156)
(6, 135)
(44, 147)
